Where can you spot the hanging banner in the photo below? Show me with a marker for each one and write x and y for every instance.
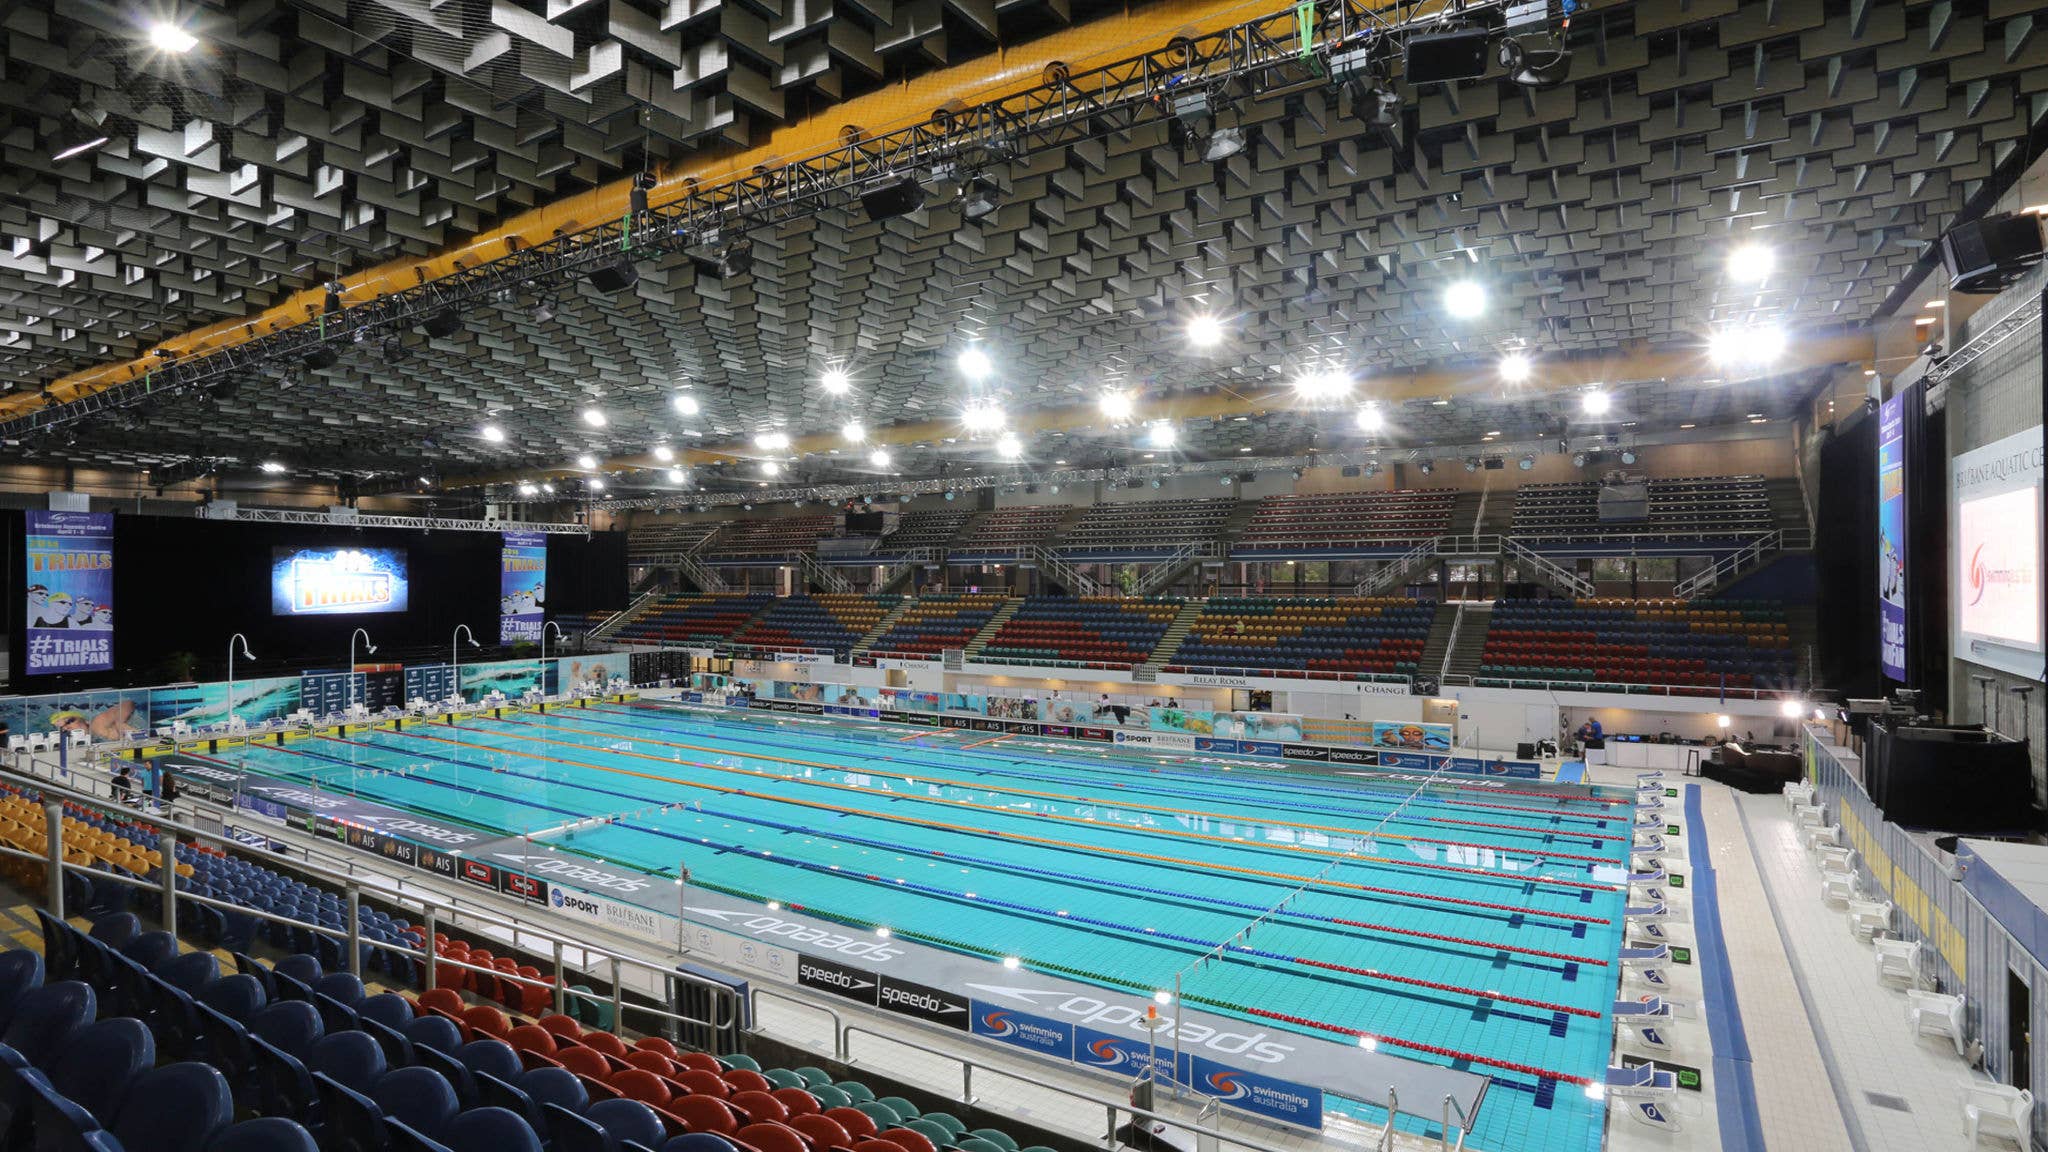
(522, 586)
(70, 579)
(1891, 537)
(1995, 537)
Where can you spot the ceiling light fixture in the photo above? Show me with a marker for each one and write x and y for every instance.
(1322, 384)
(493, 434)
(596, 484)
(1161, 436)
(664, 453)
(1465, 299)
(1205, 331)
(974, 363)
(526, 488)
(1116, 405)
(852, 432)
(1008, 447)
(1514, 368)
(272, 467)
(168, 36)
(595, 417)
(1371, 419)
(1751, 262)
(678, 476)
(836, 382)
(586, 462)
(982, 417)
(772, 441)
(1595, 403)
(770, 469)
(686, 404)
(879, 458)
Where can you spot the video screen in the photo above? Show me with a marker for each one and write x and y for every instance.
(337, 581)
(1998, 590)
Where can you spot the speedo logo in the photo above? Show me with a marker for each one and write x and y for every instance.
(812, 974)
(586, 876)
(922, 1001)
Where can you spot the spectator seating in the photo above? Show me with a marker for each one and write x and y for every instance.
(1344, 523)
(666, 536)
(578, 623)
(834, 622)
(1092, 630)
(1004, 533)
(1343, 634)
(1724, 510)
(767, 539)
(939, 621)
(1137, 529)
(695, 621)
(1701, 644)
(932, 529)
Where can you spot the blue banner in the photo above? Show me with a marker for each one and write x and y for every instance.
(1040, 1034)
(522, 586)
(70, 581)
(1891, 537)
(1128, 1055)
(1282, 1100)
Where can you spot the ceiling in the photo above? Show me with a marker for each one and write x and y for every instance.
(308, 137)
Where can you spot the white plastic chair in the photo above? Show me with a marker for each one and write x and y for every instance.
(1809, 813)
(1898, 960)
(1999, 1110)
(1938, 1014)
(1797, 793)
(16, 742)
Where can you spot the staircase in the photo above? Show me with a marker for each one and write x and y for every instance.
(1234, 524)
(698, 572)
(1163, 573)
(626, 615)
(1462, 656)
(814, 573)
(1496, 514)
(1176, 633)
(1531, 565)
(1788, 507)
(1066, 575)
(1395, 572)
(1466, 508)
(882, 626)
(994, 625)
(905, 570)
(1438, 647)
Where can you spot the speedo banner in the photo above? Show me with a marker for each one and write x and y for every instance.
(70, 580)
(522, 586)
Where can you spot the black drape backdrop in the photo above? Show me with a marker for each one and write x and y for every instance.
(188, 585)
(1927, 565)
(1845, 560)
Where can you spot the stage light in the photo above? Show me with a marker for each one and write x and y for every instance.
(1322, 384)
(770, 469)
(493, 434)
(1791, 709)
(1578, 459)
(586, 462)
(836, 382)
(1116, 405)
(982, 417)
(1723, 721)
(879, 458)
(979, 198)
(1427, 467)
(1526, 463)
(678, 476)
(596, 484)
(1205, 331)
(1223, 144)
(771, 441)
(1465, 299)
(167, 36)
(526, 488)
(1754, 347)
(686, 404)
(1161, 436)
(1628, 456)
(1596, 403)
(664, 453)
(1009, 448)
(272, 467)
(1514, 368)
(852, 432)
(974, 363)
(548, 487)
(1371, 419)
(1751, 262)
(595, 417)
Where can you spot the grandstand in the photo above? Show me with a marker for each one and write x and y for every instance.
(1147, 529)
(937, 622)
(1007, 533)
(927, 529)
(1692, 513)
(1293, 636)
(1091, 632)
(659, 539)
(692, 621)
(828, 622)
(765, 541)
(1343, 524)
(1706, 645)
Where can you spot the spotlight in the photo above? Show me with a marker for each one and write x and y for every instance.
(526, 488)
(772, 441)
(1427, 467)
(979, 198)
(770, 469)
(664, 453)
(1161, 436)
(852, 432)
(493, 434)
(1008, 447)
(1465, 299)
(614, 276)
(1578, 459)
(1225, 481)
(1223, 144)
(1514, 368)
(678, 476)
(879, 458)
(548, 487)
(1751, 262)
(1596, 403)
(1322, 384)
(167, 36)
(949, 494)
(441, 325)
(1205, 331)
(896, 198)
(596, 484)
(1535, 61)
(1628, 456)
(332, 303)
(686, 404)
(974, 363)
(272, 467)
(1471, 464)
(1753, 347)
(594, 417)
(544, 310)
(586, 462)
(394, 349)
(1371, 419)
(1791, 709)
(1116, 406)
(982, 417)
(836, 382)
(1526, 463)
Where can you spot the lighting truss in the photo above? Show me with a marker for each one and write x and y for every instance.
(352, 519)
(1266, 57)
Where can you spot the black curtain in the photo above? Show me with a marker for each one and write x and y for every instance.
(1845, 560)
(187, 585)
(1926, 443)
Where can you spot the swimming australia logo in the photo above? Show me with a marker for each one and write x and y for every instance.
(998, 1023)
(1101, 1014)
(1107, 1055)
(1224, 1086)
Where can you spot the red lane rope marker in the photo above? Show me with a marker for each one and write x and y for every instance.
(1476, 993)
(1345, 885)
(1072, 798)
(1470, 942)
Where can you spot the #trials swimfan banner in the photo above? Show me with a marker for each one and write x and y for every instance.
(522, 587)
(70, 581)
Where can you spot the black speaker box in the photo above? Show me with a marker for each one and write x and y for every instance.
(1986, 255)
(614, 277)
(1459, 54)
(1525, 751)
(905, 195)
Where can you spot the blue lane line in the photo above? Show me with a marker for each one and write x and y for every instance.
(1734, 1088)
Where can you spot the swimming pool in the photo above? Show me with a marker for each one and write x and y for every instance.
(1480, 920)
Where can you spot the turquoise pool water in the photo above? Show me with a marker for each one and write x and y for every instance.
(1114, 867)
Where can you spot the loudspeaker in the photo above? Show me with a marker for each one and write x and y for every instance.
(1459, 54)
(614, 277)
(1984, 256)
(321, 357)
(1525, 751)
(442, 324)
(1494, 462)
(905, 195)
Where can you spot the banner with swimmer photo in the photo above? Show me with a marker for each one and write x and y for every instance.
(522, 586)
(70, 581)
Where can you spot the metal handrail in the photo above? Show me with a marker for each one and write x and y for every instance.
(1727, 566)
(1571, 580)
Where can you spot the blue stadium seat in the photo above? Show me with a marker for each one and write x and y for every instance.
(176, 1108)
